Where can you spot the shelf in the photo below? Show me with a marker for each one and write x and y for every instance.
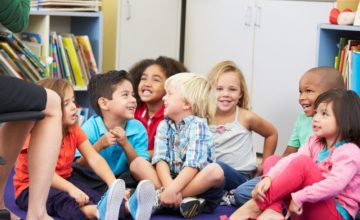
(328, 37)
(67, 13)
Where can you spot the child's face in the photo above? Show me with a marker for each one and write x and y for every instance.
(324, 123)
(69, 117)
(310, 88)
(123, 102)
(175, 104)
(227, 91)
(151, 86)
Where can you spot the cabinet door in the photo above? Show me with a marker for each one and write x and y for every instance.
(147, 29)
(285, 47)
(218, 30)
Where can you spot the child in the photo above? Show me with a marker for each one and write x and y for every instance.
(321, 180)
(313, 82)
(113, 132)
(184, 148)
(18, 96)
(68, 198)
(233, 126)
(149, 77)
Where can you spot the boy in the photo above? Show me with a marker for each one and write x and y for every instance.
(184, 149)
(314, 82)
(113, 132)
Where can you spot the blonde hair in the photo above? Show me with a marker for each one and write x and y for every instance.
(60, 86)
(197, 91)
(229, 66)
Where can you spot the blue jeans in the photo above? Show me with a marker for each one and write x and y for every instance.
(233, 178)
(242, 193)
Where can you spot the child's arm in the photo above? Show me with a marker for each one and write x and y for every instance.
(163, 172)
(108, 139)
(63, 185)
(121, 138)
(96, 162)
(169, 196)
(265, 129)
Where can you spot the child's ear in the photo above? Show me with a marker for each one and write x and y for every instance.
(102, 102)
(187, 106)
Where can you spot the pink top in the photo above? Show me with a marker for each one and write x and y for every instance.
(341, 171)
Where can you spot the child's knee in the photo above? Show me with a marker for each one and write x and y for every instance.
(216, 174)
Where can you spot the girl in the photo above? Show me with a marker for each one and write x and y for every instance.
(233, 126)
(68, 198)
(149, 77)
(321, 180)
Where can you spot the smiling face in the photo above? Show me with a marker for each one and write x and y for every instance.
(228, 91)
(324, 123)
(176, 107)
(310, 87)
(151, 86)
(123, 102)
(69, 108)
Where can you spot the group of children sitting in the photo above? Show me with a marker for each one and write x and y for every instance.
(181, 139)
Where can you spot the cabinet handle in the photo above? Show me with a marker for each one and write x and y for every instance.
(248, 12)
(258, 16)
(128, 6)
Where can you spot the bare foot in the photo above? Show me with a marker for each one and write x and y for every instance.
(250, 210)
(270, 214)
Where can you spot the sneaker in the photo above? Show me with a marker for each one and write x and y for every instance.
(141, 202)
(157, 202)
(191, 207)
(109, 205)
(228, 199)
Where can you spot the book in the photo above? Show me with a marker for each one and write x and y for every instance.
(347, 4)
(69, 45)
(88, 54)
(355, 81)
(8, 69)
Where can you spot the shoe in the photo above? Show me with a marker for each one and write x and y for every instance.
(109, 205)
(228, 199)
(191, 207)
(142, 201)
(157, 202)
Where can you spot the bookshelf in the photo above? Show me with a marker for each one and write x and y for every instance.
(328, 37)
(77, 23)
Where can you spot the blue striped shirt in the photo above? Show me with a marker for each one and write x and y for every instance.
(188, 143)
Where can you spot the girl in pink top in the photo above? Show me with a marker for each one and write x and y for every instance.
(321, 180)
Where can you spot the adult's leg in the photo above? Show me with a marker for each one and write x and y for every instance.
(42, 155)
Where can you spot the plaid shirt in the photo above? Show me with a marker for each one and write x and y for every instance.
(188, 143)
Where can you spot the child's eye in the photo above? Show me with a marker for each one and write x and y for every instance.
(309, 91)
(143, 78)
(219, 89)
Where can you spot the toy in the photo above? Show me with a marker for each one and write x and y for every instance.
(345, 17)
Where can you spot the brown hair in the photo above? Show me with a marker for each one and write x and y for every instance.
(58, 85)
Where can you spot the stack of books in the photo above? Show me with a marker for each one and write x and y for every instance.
(348, 63)
(65, 5)
(17, 60)
(72, 58)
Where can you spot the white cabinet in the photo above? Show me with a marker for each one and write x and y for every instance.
(147, 29)
(273, 42)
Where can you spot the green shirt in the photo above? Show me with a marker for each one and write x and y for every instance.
(14, 14)
(301, 131)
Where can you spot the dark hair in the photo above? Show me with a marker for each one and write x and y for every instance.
(346, 108)
(168, 65)
(103, 85)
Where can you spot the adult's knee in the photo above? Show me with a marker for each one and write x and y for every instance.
(53, 104)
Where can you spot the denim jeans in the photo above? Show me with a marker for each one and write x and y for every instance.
(242, 193)
(233, 178)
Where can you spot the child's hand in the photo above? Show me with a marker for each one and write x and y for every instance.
(80, 197)
(294, 209)
(261, 188)
(169, 199)
(108, 139)
(259, 170)
(120, 135)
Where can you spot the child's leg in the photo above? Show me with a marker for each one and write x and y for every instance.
(232, 177)
(212, 176)
(142, 169)
(44, 150)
